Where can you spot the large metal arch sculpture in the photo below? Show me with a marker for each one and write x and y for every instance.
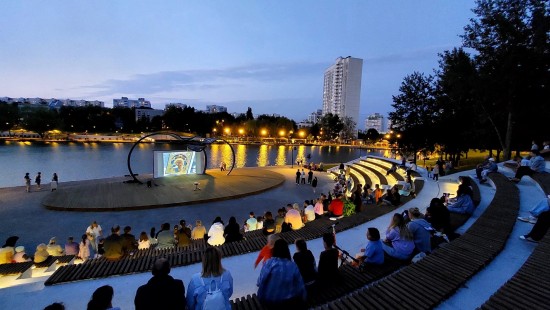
(202, 145)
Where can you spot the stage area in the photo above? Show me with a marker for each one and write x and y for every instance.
(165, 192)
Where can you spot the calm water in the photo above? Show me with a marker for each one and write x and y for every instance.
(82, 161)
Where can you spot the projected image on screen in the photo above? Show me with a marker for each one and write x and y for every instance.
(176, 163)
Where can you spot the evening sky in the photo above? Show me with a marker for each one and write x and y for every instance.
(269, 55)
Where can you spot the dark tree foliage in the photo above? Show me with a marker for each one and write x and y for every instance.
(41, 120)
(249, 114)
(9, 115)
(457, 124)
(415, 113)
(331, 126)
(511, 38)
(372, 135)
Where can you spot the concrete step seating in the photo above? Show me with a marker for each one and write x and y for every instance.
(382, 180)
(24, 270)
(383, 167)
(368, 174)
(350, 278)
(529, 287)
(142, 260)
(427, 283)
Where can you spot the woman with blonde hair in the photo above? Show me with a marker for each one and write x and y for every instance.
(212, 278)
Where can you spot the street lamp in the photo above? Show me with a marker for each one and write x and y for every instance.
(292, 156)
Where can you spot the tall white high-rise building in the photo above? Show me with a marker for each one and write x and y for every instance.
(342, 88)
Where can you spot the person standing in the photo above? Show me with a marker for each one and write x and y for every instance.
(303, 175)
(435, 172)
(94, 232)
(28, 182)
(309, 176)
(314, 184)
(38, 180)
(298, 174)
(54, 183)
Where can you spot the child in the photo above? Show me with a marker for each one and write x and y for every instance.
(429, 169)
(84, 248)
(373, 253)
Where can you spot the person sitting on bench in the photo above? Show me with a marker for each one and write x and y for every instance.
(536, 164)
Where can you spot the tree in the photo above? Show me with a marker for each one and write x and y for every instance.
(9, 115)
(249, 114)
(415, 113)
(511, 38)
(455, 129)
(41, 120)
(372, 135)
(331, 126)
(348, 128)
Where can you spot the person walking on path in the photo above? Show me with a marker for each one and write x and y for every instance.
(28, 182)
(314, 184)
(38, 180)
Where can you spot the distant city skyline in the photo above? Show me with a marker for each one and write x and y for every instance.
(270, 56)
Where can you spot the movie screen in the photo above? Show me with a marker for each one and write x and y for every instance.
(174, 163)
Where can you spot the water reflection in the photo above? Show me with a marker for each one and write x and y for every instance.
(281, 156)
(263, 156)
(240, 156)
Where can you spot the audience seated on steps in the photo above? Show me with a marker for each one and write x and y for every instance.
(20, 255)
(463, 203)
(305, 261)
(269, 224)
(293, 217)
(8, 250)
(309, 211)
(199, 231)
(408, 188)
(232, 231)
(143, 242)
(399, 240)
(536, 164)
(112, 245)
(336, 207)
(212, 287)
(489, 167)
(71, 247)
(392, 197)
(373, 253)
(215, 233)
(539, 229)
(421, 231)
(53, 248)
(542, 206)
(102, 299)
(439, 216)
(267, 251)
(129, 243)
(162, 291)
(328, 261)
(280, 284)
(41, 253)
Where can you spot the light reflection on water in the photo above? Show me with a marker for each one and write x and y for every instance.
(79, 161)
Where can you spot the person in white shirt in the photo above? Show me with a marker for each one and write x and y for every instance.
(309, 211)
(252, 222)
(94, 230)
(215, 233)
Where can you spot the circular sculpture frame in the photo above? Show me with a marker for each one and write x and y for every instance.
(198, 143)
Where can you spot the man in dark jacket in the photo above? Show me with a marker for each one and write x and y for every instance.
(113, 245)
(162, 291)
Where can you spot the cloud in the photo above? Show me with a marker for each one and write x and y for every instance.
(205, 80)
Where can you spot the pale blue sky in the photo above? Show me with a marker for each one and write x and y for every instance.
(270, 55)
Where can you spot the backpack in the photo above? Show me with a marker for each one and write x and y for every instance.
(214, 296)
